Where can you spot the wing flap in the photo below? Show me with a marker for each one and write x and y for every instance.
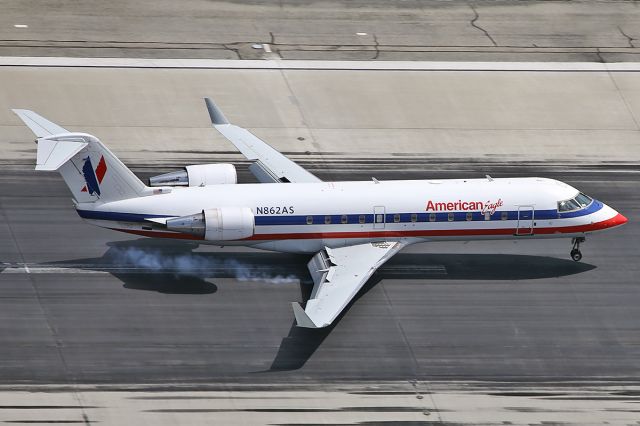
(270, 165)
(338, 274)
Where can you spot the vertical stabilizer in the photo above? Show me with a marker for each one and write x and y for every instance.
(90, 170)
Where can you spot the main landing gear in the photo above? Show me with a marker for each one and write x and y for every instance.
(575, 251)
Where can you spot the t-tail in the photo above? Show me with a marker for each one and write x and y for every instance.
(90, 170)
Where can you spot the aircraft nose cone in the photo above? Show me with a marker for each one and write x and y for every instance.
(618, 219)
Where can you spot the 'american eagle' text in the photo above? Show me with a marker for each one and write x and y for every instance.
(450, 206)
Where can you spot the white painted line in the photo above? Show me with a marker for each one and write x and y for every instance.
(8, 61)
(49, 270)
(21, 26)
(361, 34)
(267, 48)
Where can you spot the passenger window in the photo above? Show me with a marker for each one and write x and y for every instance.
(396, 218)
(504, 216)
(469, 216)
(414, 217)
(343, 219)
(327, 220)
(361, 218)
(450, 217)
(432, 217)
(309, 220)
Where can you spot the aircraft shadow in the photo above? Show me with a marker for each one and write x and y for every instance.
(173, 268)
(301, 343)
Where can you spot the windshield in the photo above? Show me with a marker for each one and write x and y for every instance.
(578, 202)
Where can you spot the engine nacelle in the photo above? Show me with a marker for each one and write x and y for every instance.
(197, 175)
(219, 224)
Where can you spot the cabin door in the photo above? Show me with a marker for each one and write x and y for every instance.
(378, 217)
(525, 220)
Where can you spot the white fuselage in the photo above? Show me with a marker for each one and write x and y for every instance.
(305, 217)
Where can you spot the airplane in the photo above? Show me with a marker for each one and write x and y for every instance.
(351, 227)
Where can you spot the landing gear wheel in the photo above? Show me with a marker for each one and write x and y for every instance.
(576, 255)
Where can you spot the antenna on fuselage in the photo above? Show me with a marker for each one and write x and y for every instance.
(489, 178)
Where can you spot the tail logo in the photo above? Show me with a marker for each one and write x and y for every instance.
(92, 178)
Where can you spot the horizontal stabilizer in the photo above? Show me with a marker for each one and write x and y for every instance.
(54, 153)
(39, 125)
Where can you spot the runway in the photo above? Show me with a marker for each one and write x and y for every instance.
(337, 30)
(97, 326)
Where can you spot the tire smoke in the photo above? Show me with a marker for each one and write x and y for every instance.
(194, 264)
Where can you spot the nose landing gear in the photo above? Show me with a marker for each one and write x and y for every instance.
(575, 251)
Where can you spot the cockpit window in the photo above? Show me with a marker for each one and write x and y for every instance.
(583, 200)
(580, 201)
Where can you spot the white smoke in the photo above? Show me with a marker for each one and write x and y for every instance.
(194, 264)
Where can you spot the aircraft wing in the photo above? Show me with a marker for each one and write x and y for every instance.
(268, 164)
(338, 274)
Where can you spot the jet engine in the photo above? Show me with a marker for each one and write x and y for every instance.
(197, 175)
(219, 224)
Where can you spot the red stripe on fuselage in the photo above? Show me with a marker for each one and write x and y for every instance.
(576, 229)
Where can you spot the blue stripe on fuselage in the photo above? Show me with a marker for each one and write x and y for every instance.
(115, 216)
(353, 219)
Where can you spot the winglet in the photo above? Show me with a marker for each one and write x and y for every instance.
(217, 117)
(302, 318)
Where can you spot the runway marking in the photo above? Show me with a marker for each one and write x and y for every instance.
(255, 273)
(266, 48)
(10, 61)
(25, 269)
(21, 26)
(259, 272)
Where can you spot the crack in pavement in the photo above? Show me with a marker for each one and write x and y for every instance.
(274, 46)
(474, 25)
(630, 39)
(234, 50)
(376, 47)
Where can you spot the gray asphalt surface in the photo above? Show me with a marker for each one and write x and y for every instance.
(101, 307)
(336, 30)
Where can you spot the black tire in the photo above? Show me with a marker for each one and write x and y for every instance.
(576, 255)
